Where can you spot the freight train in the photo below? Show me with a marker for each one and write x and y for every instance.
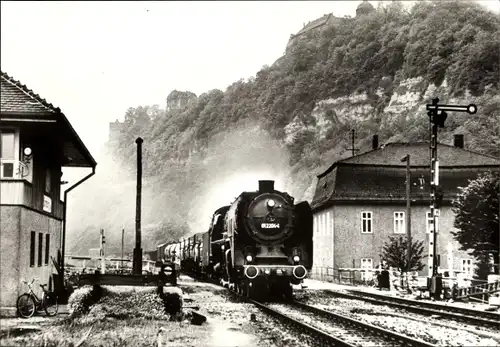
(259, 245)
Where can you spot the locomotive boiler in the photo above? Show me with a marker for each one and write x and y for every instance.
(266, 242)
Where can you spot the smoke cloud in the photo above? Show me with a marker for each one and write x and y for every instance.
(234, 162)
(182, 200)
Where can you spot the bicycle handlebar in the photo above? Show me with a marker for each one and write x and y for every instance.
(30, 283)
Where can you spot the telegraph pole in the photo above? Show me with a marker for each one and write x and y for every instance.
(437, 116)
(123, 235)
(138, 250)
(408, 208)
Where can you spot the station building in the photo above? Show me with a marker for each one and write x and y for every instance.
(360, 201)
(37, 140)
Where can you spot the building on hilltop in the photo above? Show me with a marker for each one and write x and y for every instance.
(328, 19)
(177, 100)
(360, 201)
(115, 130)
(36, 141)
(314, 26)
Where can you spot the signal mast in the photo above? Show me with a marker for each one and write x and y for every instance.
(437, 116)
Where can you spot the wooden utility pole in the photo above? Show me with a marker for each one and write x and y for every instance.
(138, 250)
(123, 236)
(408, 208)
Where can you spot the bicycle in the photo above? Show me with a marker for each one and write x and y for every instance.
(29, 303)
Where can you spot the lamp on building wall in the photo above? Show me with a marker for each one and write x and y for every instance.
(27, 155)
(24, 164)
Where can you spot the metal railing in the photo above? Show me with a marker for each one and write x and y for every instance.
(13, 169)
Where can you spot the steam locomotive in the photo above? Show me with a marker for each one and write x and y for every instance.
(259, 245)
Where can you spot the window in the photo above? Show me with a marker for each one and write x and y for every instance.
(366, 263)
(429, 222)
(399, 223)
(47, 248)
(47, 181)
(32, 248)
(40, 247)
(7, 145)
(467, 267)
(7, 154)
(366, 222)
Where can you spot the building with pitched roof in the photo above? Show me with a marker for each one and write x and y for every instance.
(328, 19)
(314, 26)
(36, 141)
(360, 201)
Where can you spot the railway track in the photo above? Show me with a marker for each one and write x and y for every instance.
(337, 330)
(469, 316)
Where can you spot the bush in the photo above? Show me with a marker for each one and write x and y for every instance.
(82, 299)
(100, 303)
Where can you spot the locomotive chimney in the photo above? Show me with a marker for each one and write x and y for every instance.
(458, 141)
(266, 186)
(375, 142)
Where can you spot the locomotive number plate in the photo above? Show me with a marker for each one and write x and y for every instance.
(269, 225)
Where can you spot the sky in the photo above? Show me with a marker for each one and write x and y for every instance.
(96, 59)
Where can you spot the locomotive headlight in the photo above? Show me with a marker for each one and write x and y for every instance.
(296, 258)
(249, 258)
(271, 203)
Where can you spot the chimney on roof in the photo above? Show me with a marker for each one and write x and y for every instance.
(375, 142)
(458, 141)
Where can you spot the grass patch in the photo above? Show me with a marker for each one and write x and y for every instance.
(111, 332)
(119, 316)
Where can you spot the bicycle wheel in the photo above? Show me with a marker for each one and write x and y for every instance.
(26, 306)
(50, 304)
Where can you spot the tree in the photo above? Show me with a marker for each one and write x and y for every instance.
(395, 253)
(476, 218)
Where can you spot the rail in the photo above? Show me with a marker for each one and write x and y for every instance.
(348, 332)
(319, 335)
(469, 316)
(370, 333)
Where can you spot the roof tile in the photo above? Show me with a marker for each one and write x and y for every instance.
(380, 175)
(391, 154)
(18, 98)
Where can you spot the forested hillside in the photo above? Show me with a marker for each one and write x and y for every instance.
(373, 73)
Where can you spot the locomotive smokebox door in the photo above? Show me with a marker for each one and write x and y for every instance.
(266, 186)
